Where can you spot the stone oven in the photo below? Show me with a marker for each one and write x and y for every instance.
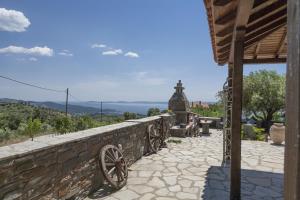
(179, 104)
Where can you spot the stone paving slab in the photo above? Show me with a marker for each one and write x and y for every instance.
(193, 170)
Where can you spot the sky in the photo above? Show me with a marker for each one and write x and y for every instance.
(109, 50)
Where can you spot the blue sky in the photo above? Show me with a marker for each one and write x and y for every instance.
(141, 49)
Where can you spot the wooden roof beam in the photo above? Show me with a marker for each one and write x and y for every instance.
(267, 20)
(281, 4)
(281, 43)
(256, 50)
(221, 2)
(227, 30)
(242, 17)
(228, 17)
(249, 41)
(260, 25)
(260, 34)
(264, 60)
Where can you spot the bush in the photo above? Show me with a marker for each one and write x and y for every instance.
(63, 125)
(129, 115)
(33, 128)
(153, 112)
(174, 141)
(4, 135)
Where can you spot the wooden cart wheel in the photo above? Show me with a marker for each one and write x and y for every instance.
(154, 138)
(114, 166)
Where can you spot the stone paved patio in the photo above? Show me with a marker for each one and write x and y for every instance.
(193, 170)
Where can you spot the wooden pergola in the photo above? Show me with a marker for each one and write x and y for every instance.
(257, 32)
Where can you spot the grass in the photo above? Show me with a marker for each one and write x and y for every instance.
(174, 141)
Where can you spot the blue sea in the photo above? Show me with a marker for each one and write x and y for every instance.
(121, 107)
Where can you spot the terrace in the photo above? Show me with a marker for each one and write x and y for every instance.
(194, 169)
(242, 32)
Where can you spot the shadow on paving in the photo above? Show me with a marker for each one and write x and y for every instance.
(104, 191)
(255, 185)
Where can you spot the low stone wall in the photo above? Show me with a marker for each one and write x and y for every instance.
(67, 166)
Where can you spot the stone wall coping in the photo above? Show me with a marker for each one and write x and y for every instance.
(49, 141)
(212, 118)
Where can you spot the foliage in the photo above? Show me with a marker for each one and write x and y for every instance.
(174, 141)
(17, 120)
(263, 95)
(260, 133)
(153, 112)
(129, 115)
(214, 110)
(63, 125)
(33, 128)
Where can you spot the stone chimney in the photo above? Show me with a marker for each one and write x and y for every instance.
(179, 104)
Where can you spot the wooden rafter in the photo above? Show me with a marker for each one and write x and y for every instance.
(264, 60)
(227, 30)
(281, 4)
(268, 20)
(230, 16)
(221, 2)
(243, 14)
(257, 36)
(281, 15)
(256, 50)
(281, 43)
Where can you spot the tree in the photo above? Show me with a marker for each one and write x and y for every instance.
(263, 95)
(63, 125)
(33, 128)
(153, 112)
(129, 115)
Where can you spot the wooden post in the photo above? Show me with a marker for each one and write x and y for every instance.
(101, 111)
(292, 141)
(237, 90)
(67, 101)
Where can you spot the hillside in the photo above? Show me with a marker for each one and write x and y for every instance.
(72, 109)
(17, 116)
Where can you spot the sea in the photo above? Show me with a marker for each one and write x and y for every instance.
(121, 107)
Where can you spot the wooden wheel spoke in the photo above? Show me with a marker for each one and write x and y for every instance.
(114, 166)
(109, 157)
(110, 164)
(111, 170)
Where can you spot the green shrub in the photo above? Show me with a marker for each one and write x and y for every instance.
(63, 125)
(129, 115)
(260, 133)
(153, 112)
(174, 141)
(4, 135)
(33, 128)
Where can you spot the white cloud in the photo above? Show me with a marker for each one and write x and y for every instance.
(33, 59)
(65, 53)
(37, 51)
(113, 52)
(13, 21)
(98, 45)
(132, 54)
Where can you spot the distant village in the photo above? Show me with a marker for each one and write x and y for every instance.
(199, 104)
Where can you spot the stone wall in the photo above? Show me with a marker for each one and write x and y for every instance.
(67, 166)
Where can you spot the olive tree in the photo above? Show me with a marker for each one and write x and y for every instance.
(33, 128)
(263, 95)
(153, 112)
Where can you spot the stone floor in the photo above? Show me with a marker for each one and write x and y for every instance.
(193, 170)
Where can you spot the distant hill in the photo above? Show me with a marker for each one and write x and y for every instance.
(73, 109)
